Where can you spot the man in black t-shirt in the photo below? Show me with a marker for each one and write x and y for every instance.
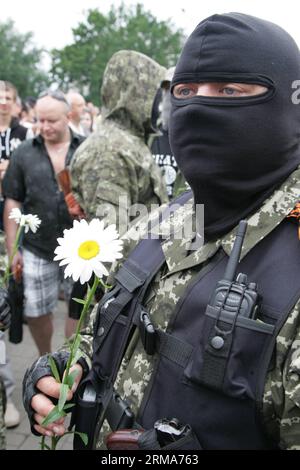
(31, 182)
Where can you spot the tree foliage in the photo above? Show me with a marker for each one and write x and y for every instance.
(99, 36)
(20, 61)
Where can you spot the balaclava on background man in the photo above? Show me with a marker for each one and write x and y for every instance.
(234, 152)
(160, 146)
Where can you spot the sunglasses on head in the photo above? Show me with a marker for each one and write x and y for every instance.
(57, 95)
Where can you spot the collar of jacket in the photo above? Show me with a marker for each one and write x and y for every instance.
(75, 139)
(177, 250)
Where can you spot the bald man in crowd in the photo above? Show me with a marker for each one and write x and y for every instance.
(77, 104)
(30, 183)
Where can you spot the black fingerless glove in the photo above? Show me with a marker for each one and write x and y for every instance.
(39, 369)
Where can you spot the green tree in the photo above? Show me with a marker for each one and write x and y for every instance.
(99, 36)
(20, 61)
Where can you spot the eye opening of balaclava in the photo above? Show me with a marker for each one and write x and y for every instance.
(247, 78)
(235, 151)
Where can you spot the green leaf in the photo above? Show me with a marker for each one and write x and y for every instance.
(76, 343)
(106, 286)
(77, 356)
(53, 368)
(54, 441)
(79, 301)
(68, 406)
(71, 378)
(83, 437)
(64, 388)
(53, 416)
(43, 444)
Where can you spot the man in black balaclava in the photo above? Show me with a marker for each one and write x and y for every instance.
(210, 358)
(234, 130)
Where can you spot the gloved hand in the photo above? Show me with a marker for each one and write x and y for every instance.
(73, 207)
(5, 310)
(37, 371)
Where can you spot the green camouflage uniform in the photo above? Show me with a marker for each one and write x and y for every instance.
(281, 401)
(114, 161)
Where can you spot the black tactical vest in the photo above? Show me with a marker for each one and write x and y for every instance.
(218, 392)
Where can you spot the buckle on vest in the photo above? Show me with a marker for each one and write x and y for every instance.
(147, 333)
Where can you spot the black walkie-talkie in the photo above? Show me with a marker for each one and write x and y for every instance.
(231, 311)
(236, 296)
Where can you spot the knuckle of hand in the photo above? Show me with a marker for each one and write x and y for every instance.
(35, 400)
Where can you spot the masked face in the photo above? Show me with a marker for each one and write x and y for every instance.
(234, 130)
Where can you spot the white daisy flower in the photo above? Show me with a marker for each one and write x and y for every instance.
(32, 222)
(28, 221)
(85, 247)
(16, 215)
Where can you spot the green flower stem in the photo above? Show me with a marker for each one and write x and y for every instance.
(43, 443)
(13, 253)
(86, 306)
(87, 303)
(54, 442)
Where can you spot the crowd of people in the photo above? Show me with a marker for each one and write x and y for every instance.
(179, 347)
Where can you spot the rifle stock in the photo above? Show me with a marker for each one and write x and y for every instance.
(64, 181)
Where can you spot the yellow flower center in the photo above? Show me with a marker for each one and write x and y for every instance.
(88, 249)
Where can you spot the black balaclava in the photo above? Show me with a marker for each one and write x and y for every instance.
(234, 152)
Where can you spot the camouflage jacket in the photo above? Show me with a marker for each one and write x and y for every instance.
(114, 168)
(281, 401)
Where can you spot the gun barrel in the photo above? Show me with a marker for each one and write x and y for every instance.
(236, 252)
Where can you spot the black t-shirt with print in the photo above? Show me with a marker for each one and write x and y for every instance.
(11, 138)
